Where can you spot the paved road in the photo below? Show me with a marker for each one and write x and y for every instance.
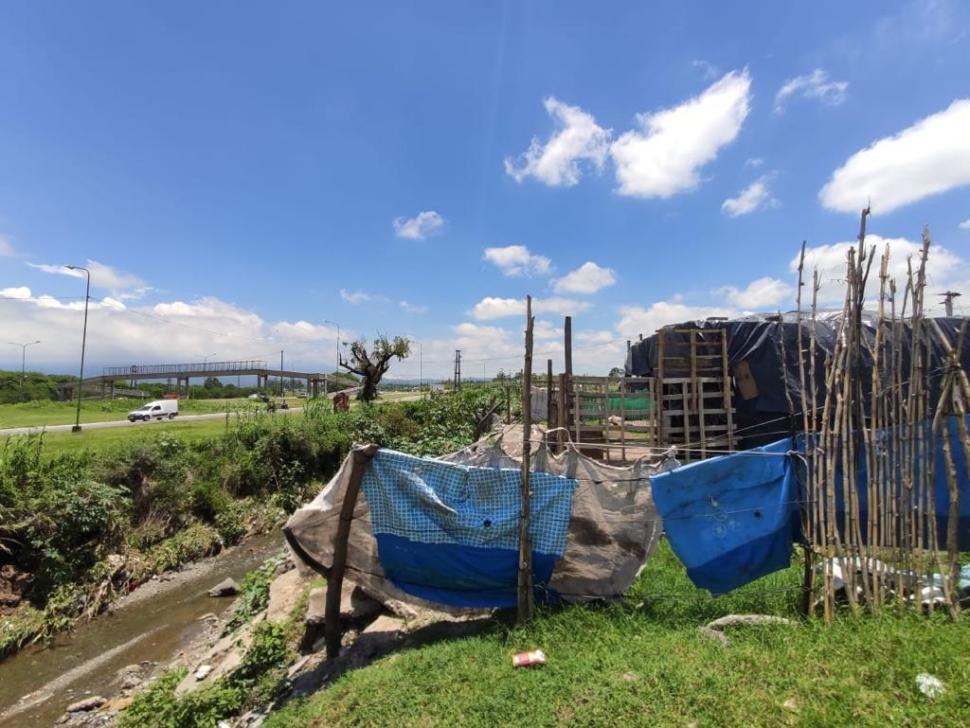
(121, 423)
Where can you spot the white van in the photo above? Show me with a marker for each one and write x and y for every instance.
(158, 409)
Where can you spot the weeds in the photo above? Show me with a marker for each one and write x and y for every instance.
(163, 501)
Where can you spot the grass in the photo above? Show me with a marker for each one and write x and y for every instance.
(56, 443)
(47, 412)
(642, 661)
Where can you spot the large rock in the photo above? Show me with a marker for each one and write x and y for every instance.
(225, 588)
(86, 704)
(284, 593)
(355, 604)
(379, 637)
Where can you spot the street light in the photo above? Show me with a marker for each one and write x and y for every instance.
(23, 359)
(84, 341)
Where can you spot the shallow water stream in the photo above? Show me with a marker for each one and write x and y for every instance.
(37, 684)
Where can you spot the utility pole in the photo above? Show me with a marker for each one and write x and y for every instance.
(457, 380)
(281, 373)
(84, 341)
(483, 370)
(948, 297)
(23, 360)
(420, 367)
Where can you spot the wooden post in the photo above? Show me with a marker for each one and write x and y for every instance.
(332, 628)
(549, 419)
(568, 365)
(525, 595)
(508, 404)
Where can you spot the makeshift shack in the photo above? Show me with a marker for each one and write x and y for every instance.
(758, 377)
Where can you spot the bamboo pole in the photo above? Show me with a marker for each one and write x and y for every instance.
(526, 606)
(806, 497)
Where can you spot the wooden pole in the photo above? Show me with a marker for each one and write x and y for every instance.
(332, 628)
(568, 364)
(525, 595)
(549, 400)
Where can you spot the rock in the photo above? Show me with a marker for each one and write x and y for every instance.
(118, 704)
(116, 561)
(715, 630)
(226, 588)
(354, 604)
(630, 676)
(379, 636)
(210, 617)
(203, 672)
(297, 666)
(400, 609)
(131, 681)
(86, 704)
(284, 592)
(791, 704)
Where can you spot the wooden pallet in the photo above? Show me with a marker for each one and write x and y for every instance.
(694, 391)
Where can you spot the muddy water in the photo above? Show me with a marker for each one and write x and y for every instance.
(37, 684)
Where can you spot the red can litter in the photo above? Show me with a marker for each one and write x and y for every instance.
(528, 659)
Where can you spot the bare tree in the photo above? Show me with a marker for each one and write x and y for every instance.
(372, 366)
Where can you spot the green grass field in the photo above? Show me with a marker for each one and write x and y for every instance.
(56, 443)
(44, 412)
(641, 661)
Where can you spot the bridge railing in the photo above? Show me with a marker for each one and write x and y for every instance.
(175, 369)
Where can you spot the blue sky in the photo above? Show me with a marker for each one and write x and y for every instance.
(242, 175)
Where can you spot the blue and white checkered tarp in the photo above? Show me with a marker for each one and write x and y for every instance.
(449, 533)
(444, 533)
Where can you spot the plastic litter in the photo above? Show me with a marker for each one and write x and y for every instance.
(930, 685)
(529, 659)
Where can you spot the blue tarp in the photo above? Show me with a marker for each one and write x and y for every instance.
(734, 518)
(449, 533)
(941, 491)
(730, 519)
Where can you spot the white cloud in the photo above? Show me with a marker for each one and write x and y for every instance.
(753, 162)
(759, 294)
(814, 85)
(6, 247)
(492, 307)
(355, 297)
(18, 292)
(708, 70)
(557, 162)
(666, 154)
(753, 197)
(420, 226)
(103, 276)
(517, 260)
(546, 330)
(636, 320)
(304, 331)
(929, 157)
(965, 225)
(588, 278)
(412, 307)
(167, 332)
(944, 268)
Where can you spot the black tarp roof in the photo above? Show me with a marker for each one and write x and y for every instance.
(757, 340)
